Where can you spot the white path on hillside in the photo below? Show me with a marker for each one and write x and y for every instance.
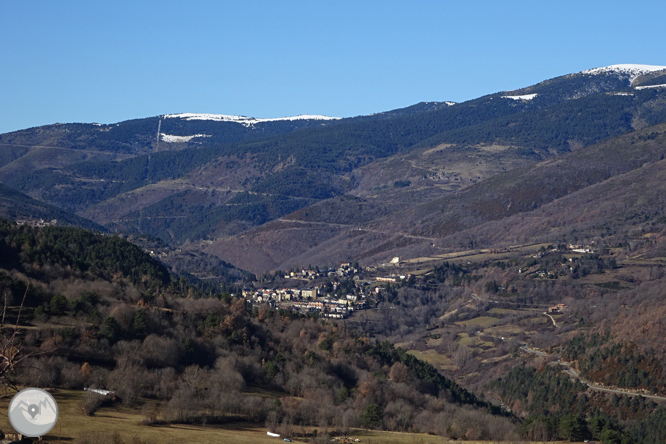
(351, 227)
(552, 319)
(84, 150)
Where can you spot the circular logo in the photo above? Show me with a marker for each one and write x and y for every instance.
(33, 412)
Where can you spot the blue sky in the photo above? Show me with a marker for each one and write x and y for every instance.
(106, 62)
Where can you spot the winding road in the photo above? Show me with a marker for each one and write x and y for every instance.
(356, 228)
(571, 372)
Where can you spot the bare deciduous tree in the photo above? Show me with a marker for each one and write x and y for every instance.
(12, 354)
(461, 356)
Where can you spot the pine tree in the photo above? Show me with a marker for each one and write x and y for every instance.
(139, 324)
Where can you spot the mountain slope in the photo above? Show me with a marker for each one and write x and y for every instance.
(623, 205)
(17, 206)
(78, 142)
(273, 163)
(404, 159)
(503, 210)
(213, 349)
(529, 187)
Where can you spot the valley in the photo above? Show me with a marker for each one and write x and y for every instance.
(490, 270)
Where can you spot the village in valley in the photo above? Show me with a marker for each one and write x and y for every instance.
(318, 223)
(332, 293)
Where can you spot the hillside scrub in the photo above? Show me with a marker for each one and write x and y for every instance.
(203, 357)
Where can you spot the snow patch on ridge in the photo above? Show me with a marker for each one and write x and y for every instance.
(651, 86)
(246, 121)
(523, 97)
(176, 139)
(631, 71)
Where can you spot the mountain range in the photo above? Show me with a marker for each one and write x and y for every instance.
(526, 300)
(418, 182)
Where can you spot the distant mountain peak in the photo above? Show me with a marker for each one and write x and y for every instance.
(243, 120)
(625, 70)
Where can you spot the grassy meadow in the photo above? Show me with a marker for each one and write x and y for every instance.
(73, 425)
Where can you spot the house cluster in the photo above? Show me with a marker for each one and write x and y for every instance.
(580, 248)
(325, 296)
(306, 300)
(345, 269)
(330, 308)
(559, 308)
(37, 222)
(280, 294)
(161, 254)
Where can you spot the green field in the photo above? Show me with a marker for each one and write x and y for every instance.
(73, 424)
(472, 341)
(465, 339)
(481, 321)
(434, 358)
(504, 330)
(504, 311)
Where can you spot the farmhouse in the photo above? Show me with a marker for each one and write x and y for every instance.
(559, 308)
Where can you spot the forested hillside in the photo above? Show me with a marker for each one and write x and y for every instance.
(100, 313)
(76, 252)
(567, 340)
(116, 175)
(603, 188)
(139, 136)
(528, 188)
(18, 206)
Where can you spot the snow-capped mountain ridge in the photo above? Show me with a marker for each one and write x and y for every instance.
(522, 97)
(180, 139)
(243, 120)
(631, 71)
